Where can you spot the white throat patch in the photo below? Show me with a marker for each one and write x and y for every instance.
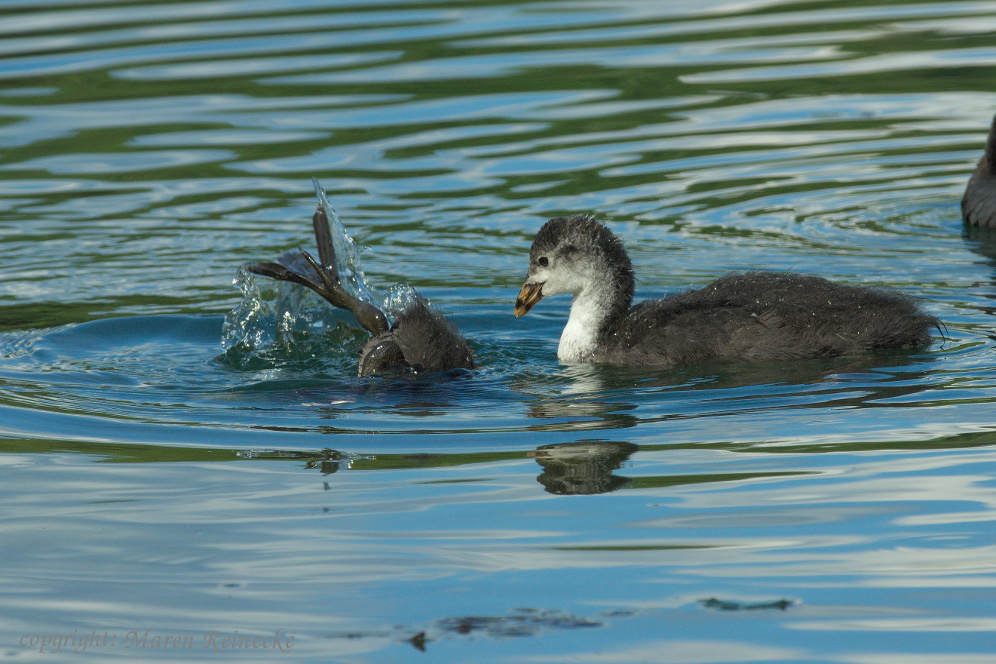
(578, 341)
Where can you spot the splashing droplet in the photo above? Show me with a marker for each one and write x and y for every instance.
(277, 321)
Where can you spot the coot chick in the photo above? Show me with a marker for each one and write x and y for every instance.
(750, 316)
(978, 205)
(421, 339)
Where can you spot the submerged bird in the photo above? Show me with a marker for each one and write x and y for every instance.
(421, 339)
(749, 316)
(978, 205)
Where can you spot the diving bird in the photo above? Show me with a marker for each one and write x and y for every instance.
(978, 205)
(747, 316)
(421, 339)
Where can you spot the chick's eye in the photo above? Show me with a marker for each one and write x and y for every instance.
(544, 261)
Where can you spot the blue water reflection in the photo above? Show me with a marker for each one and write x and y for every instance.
(155, 480)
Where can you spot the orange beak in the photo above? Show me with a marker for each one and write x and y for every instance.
(528, 297)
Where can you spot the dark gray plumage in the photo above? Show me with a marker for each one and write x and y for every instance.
(978, 205)
(421, 339)
(749, 316)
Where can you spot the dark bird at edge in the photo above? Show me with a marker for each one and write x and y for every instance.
(978, 205)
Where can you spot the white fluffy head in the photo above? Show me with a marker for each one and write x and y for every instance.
(570, 254)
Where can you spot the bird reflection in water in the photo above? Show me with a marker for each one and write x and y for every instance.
(582, 468)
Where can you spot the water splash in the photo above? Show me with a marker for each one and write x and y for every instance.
(267, 314)
(276, 321)
(398, 298)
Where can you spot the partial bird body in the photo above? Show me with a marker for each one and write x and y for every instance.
(978, 205)
(421, 339)
(752, 316)
(763, 316)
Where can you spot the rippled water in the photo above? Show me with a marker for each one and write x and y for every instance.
(165, 494)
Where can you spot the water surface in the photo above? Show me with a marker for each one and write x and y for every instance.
(160, 491)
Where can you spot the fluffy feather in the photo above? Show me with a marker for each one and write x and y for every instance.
(749, 316)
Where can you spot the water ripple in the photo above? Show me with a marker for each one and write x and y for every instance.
(818, 511)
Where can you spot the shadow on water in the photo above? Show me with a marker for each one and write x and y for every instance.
(583, 467)
(532, 622)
